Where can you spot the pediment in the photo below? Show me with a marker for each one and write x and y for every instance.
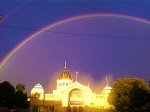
(78, 86)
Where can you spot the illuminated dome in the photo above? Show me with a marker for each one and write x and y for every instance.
(107, 88)
(37, 89)
(64, 75)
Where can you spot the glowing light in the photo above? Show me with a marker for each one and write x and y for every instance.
(64, 21)
(71, 93)
(38, 90)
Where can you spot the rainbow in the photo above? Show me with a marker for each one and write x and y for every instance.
(5, 60)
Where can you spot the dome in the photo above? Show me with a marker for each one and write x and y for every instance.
(64, 75)
(107, 88)
(37, 89)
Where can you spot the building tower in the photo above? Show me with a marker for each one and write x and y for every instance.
(64, 79)
(105, 94)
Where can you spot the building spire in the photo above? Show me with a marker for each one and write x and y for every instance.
(65, 65)
(106, 81)
(77, 73)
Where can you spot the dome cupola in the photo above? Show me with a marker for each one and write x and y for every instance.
(64, 74)
(64, 79)
(107, 89)
(38, 91)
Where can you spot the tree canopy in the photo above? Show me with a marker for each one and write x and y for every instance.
(11, 97)
(6, 94)
(20, 97)
(129, 95)
(20, 87)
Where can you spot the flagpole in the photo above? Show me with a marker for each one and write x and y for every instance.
(77, 76)
(106, 81)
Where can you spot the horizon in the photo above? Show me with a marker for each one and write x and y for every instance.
(95, 38)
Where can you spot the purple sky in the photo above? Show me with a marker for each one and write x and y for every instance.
(93, 56)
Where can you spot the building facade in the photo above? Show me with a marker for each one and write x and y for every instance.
(68, 94)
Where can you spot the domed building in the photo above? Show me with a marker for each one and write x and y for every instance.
(38, 91)
(64, 79)
(105, 94)
(72, 94)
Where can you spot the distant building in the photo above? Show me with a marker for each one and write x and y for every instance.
(69, 94)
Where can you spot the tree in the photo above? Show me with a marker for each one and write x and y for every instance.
(129, 95)
(21, 97)
(9, 98)
(20, 87)
(6, 95)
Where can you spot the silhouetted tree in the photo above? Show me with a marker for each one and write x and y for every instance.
(21, 97)
(9, 98)
(20, 87)
(129, 95)
(6, 95)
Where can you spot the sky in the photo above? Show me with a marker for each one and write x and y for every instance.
(95, 37)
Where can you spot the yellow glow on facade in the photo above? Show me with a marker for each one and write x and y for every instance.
(70, 93)
(38, 91)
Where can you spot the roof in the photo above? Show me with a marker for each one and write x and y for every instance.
(64, 75)
(107, 88)
(37, 88)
